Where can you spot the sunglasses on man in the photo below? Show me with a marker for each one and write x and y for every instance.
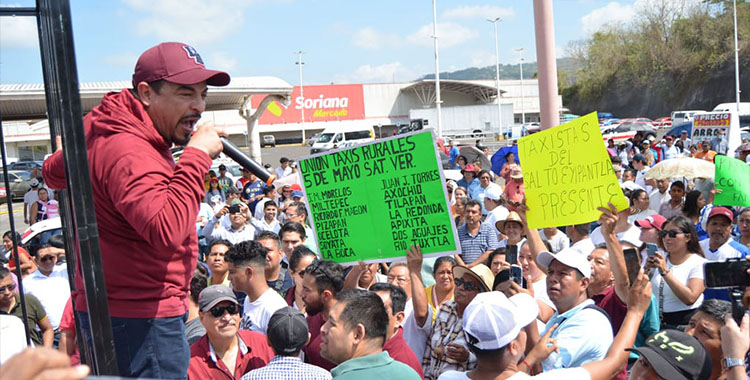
(218, 311)
(468, 285)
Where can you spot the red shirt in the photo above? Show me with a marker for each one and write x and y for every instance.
(145, 209)
(312, 350)
(613, 305)
(400, 351)
(68, 323)
(254, 352)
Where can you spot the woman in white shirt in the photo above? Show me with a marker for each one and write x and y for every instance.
(678, 278)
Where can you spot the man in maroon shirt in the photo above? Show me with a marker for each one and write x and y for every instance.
(146, 204)
(225, 352)
(323, 279)
(394, 299)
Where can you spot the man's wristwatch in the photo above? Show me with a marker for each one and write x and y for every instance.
(727, 363)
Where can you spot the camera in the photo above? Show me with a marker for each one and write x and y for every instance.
(731, 274)
(727, 274)
(233, 209)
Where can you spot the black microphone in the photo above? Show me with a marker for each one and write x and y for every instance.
(246, 162)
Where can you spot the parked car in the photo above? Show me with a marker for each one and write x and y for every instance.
(19, 183)
(268, 140)
(311, 140)
(25, 165)
(663, 122)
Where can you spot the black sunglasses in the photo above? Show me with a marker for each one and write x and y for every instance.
(10, 287)
(470, 286)
(671, 233)
(218, 311)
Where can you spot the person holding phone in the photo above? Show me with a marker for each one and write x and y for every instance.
(678, 279)
(240, 230)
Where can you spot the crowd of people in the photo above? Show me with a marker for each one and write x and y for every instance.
(210, 278)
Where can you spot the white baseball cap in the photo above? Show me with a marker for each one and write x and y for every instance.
(569, 257)
(492, 320)
(493, 192)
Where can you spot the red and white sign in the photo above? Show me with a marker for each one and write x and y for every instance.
(320, 103)
(707, 125)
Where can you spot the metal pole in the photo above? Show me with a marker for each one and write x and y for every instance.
(545, 55)
(494, 22)
(64, 110)
(301, 93)
(520, 70)
(736, 59)
(14, 238)
(437, 71)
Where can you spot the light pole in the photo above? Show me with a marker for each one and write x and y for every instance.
(301, 92)
(736, 59)
(494, 22)
(437, 71)
(520, 70)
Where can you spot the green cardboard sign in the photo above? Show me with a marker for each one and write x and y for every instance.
(370, 202)
(732, 176)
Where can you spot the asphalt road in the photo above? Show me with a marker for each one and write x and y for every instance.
(18, 217)
(292, 152)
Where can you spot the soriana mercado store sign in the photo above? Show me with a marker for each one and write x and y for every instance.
(320, 103)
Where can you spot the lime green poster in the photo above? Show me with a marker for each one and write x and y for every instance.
(370, 202)
(733, 179)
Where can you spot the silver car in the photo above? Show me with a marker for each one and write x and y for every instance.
(19, 183)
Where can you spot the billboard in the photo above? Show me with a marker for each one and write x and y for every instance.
(320, 103)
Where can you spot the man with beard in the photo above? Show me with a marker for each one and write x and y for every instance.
(323, 279)
(147, 204)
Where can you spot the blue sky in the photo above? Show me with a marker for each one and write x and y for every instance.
(345, 41)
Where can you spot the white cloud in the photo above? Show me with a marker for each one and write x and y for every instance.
(387, 72)
(222, 61)
(450, 34)
(612, 14)
(482, 59)
(18, 32)
(368, 38)
(479, 12)
(189, 21)
(615, 14)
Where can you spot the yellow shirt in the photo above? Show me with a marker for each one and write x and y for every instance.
(430, 291)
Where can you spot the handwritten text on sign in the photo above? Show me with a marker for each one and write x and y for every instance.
(568, 174)
(733, 178)
(370, 202)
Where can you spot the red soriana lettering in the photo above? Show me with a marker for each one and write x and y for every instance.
(319, 103)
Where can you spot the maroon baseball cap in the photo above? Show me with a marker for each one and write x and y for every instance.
(652, 221)
(723, 211)
(177, 63)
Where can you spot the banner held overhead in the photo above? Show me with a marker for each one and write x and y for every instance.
(370, 202)
(568, 174)
(733, 179)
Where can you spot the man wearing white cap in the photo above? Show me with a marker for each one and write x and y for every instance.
(446, 347)
(30, 198)
(494, 205)
(496, 329)
(568, 276)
